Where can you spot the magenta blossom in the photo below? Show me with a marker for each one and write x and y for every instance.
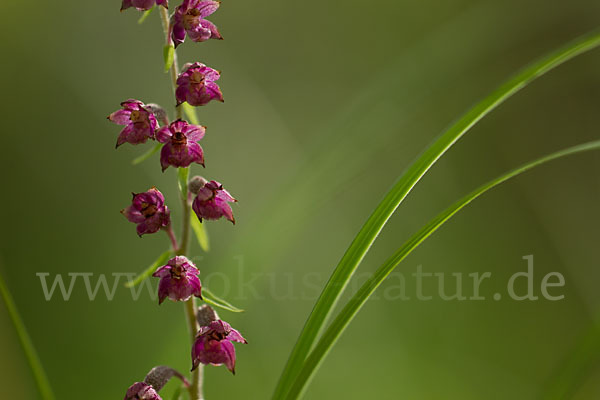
(142, 391)
(140, 123)
(181, 147)
(196, 85)
(178, 280)
(143, 5)
(189, 17)
(148, 211)
(212, 202)
(214, 345)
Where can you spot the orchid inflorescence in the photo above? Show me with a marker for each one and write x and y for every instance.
(212, 338)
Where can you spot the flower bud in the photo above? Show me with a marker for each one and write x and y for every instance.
(159, 376)
(196, 183)
(159, 113)
(206, 315)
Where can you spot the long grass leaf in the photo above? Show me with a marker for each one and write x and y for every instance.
(145, 15)
(147, 154)
(580, 364)
(375, 223)
(190, 112)
(200, 232)
(41, 379)
(358, 300)
(182, 180)
(160, 261)
(210, 298)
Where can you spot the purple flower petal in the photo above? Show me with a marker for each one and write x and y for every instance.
(213, 345)
(207, 7)
(212, 202)
(206, 24)
(148, 211)
(196, 85)
(181, 148)
(178, 280)
(140, 123)
(120, 117)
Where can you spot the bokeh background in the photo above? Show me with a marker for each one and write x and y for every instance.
(326, 104)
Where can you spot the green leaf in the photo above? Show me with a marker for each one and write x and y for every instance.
(169, 56)
(200, 232)
(147, 154)
(177, 394)
(145, 15)
(375, 223)
(182, 180)
(359, 299)
(39, 375)
(191, 113)
(580, 364)
(160, 261)
(210, 298)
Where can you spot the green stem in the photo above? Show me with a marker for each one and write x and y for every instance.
(34, 361)
(195, 388)
(164, 17)
(186, 227)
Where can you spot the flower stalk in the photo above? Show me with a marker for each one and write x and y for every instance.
(179, 148)
(195, 389)
(164, 18)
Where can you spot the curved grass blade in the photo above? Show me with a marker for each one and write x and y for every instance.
(210, 298)
(34, 361)
(371, 229)
(182, 180)
(145, 15)
(160, 261)
(146, 155)
(200, 232)
(577, 367)
(177, 394)
(357, 301)
(190, 112)
(169, 56)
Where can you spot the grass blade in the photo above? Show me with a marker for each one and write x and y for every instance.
(200, 232)
(577, 367)
(182, 180)
(34, 361)
(177, 394)
(145, 15)
(169, 56)
(146, 155)
(375, 223)
(210, 298)
(357, 301)
(160, 261)
(190, 112)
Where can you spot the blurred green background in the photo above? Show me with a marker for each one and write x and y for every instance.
(325, 105)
